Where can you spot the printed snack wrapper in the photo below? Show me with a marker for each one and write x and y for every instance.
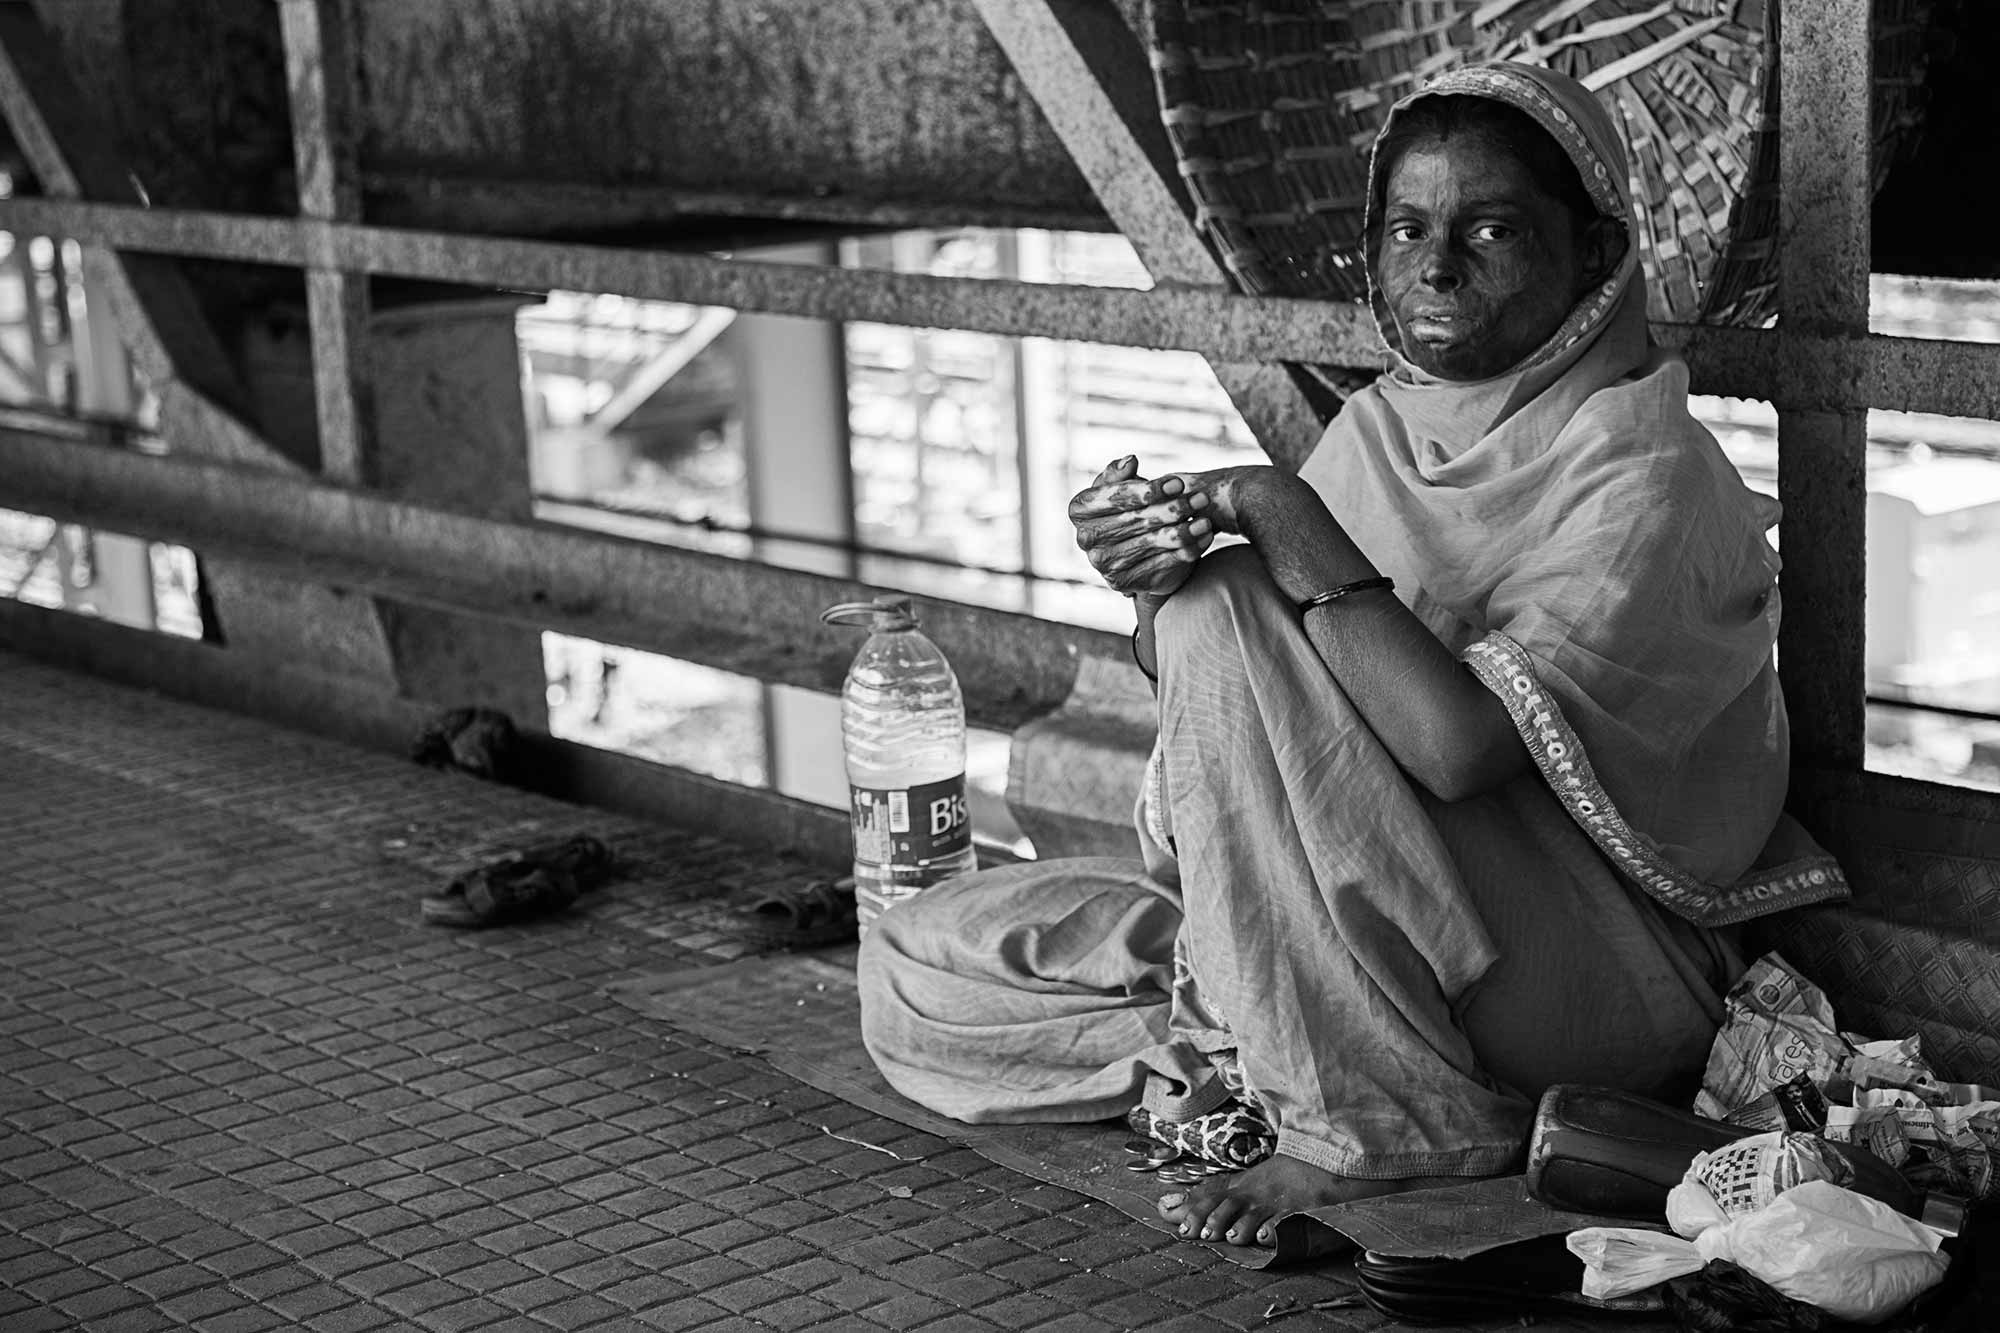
(1879, 1129)
(1776, 1027)
(1947, 1147)
(1780, 1062)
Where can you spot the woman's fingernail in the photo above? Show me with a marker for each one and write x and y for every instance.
(1173, 1200)
(1171, 486)
(1199, 500)
(1199, 527)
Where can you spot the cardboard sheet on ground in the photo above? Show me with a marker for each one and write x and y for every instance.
(802, 1013)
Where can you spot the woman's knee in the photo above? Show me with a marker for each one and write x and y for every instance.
(1223, 580)
(912, 931)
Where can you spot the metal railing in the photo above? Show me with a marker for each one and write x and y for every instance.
(1820, 367)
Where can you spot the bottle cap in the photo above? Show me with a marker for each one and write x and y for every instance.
(891, 611)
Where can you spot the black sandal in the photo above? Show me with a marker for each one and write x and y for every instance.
(803, 916)
(536, 881)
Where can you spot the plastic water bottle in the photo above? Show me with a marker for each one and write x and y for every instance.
(902, 723)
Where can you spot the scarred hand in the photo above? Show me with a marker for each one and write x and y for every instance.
(1226, 495)
(1142, 536)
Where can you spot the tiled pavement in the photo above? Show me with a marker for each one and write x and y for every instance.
(242, 1088)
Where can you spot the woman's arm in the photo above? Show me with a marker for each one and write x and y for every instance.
(1445, 729)
(1143, 537)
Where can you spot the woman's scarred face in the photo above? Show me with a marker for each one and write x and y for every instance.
(1478, 263)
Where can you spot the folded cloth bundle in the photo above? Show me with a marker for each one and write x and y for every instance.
(1233, 1135)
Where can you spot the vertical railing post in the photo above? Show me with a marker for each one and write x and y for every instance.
(321, 74)
(1824, 183)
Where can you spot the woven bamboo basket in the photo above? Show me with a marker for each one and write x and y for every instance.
(1272, 105)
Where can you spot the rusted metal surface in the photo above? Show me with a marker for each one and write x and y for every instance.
(1824, 181)
(1822, 455)
(1087, 69)
(736, 615)
(870, 99)
(876, 102)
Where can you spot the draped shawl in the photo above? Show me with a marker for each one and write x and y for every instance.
(1581, 541)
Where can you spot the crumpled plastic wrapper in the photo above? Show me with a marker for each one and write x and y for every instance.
(1781, 1062)
(1749, 1174)
(1777, 1028)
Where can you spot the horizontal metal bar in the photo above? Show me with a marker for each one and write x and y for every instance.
(1221, 324)
(1827, 373)
(736, 615)
(1940, 710)
(350, 710)
(1808, 372)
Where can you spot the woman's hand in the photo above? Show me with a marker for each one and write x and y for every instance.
(1228, 496)
(1142, 536)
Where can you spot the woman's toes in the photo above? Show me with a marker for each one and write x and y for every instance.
(1247, 1229)
(1172, 1207)
(1219, 1219)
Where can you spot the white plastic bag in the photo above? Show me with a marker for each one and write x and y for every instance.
(1829, 1247)
(1618, 1261)
(1850, 1255)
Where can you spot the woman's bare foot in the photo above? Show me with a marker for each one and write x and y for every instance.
(1243, 1207)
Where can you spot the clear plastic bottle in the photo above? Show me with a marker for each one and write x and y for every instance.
(902, 724)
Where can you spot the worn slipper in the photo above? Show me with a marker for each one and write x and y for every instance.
(535, 881)
(803, 916)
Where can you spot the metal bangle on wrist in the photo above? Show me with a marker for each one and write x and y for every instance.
(1341, 590)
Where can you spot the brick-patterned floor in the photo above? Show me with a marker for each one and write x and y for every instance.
(242, 1088)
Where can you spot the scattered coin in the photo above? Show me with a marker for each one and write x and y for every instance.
(1163, 1152)
(1142, 1167)
(1140, 1147)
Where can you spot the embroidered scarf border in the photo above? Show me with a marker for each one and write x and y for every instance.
(1505, 668)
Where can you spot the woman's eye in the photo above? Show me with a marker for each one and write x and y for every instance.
(1406, 232)
(1493, 231)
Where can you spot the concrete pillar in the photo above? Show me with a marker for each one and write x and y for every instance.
(1041, 439)
(121, 584)
(794, 398)
(450, 430)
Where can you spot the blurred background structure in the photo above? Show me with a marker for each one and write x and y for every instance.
(781, 299)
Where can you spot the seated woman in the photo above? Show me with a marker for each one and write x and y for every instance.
(1470, 754)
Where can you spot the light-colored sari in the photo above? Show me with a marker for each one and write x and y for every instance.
(1392, 978)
